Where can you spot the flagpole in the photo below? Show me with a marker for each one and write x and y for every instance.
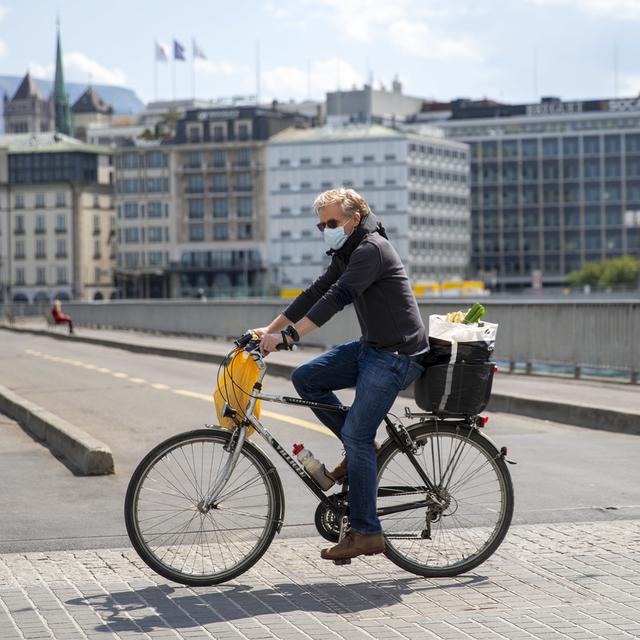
(173, 73)
(155, 71)
(193, 70)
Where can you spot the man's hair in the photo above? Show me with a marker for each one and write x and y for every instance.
(350, 201)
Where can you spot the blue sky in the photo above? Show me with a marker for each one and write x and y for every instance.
(438, 49)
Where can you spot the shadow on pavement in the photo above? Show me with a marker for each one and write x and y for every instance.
(165, 607)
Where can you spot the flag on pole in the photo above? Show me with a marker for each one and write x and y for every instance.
(162, 52)
(178, 51)
(198, 52)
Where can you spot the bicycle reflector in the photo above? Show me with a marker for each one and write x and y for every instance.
(485, 419)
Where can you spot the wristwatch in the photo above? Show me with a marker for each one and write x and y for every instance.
(291, 331)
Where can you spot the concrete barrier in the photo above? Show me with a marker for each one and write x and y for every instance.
(86, 454)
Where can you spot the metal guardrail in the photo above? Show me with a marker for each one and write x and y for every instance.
(601, 334)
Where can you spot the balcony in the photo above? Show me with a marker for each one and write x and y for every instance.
(40, 230)
(41, 256)
(19, 231)
(192, 166)
(19, 256)
(62, 255)
(60, 230)
(96, 231)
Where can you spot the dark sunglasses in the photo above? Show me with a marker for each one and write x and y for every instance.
(332, 224)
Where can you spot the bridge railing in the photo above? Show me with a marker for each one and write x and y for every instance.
(576, 334)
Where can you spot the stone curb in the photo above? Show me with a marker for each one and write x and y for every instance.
(86, 454)
(577, 415)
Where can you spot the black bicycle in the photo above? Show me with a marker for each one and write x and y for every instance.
(203, 506)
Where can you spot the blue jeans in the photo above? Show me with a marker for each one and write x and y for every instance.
(378, 376)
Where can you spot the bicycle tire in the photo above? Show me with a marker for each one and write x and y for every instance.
(422, 429)
(220, 436)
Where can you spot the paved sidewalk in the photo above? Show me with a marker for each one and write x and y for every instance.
(577, 581)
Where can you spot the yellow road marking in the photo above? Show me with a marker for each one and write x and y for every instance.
(299, 422)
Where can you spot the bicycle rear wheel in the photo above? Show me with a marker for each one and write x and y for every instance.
(470, 513)
(174, 537)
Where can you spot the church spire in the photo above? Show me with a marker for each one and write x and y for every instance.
(60, 97)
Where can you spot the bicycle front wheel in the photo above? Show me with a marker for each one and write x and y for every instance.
(174, 536)
(457, 527)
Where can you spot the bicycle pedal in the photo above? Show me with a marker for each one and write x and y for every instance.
(345, 561)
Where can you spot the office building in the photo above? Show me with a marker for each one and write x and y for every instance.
(553, 185)
(416, 184)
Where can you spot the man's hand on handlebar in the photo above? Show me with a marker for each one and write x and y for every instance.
(270, 341)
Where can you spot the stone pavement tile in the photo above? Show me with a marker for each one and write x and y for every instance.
(546, 581)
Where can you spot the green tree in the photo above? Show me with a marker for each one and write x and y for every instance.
(614, 271)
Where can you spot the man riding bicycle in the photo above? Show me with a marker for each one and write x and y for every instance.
(364, 270)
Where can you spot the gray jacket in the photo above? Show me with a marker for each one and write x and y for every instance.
(367, 272)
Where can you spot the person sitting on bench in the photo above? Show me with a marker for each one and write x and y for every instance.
(59, 317)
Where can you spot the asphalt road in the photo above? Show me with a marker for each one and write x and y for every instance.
(132, 402)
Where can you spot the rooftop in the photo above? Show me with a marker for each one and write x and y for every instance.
(48, 142)
(336, 132)
(91, 102)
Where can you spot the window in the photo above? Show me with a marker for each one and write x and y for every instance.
(243, 182)
(347, 159)
(244, 231)
(20, 275)
(129, 160)
(305, 160)
(97, 274)
(219, 158)
(154, 234)
(390, 156)
(221, 208)
(61, 223)
(245, 207)
(243, 131)
(41, 275)
(220, 231)
(155, 258)
(196, 208)
(96, 224)
(194, 134)
(156, 159)
(40, 224)
(61, 275)
(244, 157)
(60, 199)
(195, 184)
(196, 232)
(40, 248)
(218, 133)
(220, 183)
(40, 200)
(194, 160)
(131, 235)
(325, 160)
(368, 158)
(19, 201)
(154, 209)
(61, 248)
(130, 209)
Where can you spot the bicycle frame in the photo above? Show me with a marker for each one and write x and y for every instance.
(396, 433)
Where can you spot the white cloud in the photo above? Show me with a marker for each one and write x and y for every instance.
(79, 67)
(285, 82)
(418, 39)
(614, 9)
(3, 44)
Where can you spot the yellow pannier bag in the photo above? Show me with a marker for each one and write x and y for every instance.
(234, 386)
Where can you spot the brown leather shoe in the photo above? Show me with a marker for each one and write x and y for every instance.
(339, 472)
(355, 544)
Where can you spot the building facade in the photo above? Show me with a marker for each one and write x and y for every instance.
(553, 185)
(416, 184)
(192, 208)
(146, 219)
(57, 223)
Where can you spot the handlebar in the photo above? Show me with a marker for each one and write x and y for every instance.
(249, 342)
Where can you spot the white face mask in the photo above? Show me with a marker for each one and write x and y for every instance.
(334, 238)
